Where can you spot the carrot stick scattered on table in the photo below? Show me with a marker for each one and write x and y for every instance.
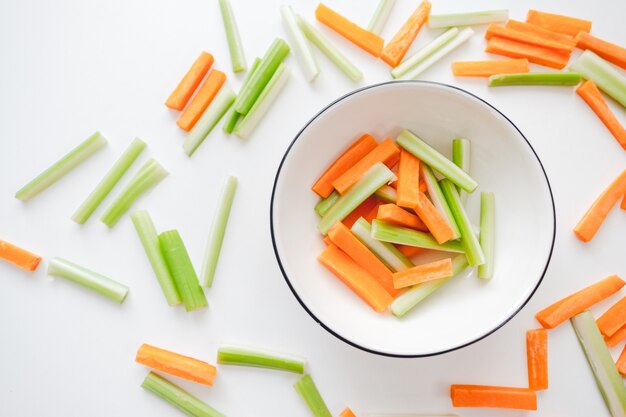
(525, 37)
(558, 23)
(617, 337)
(201, 100)
(621, 362)
(537, 358)
(423, 273)
(613, 319)
(184, 90)
(176, 364)
(366, 209)
(535, 54)
(623, 205)
(607, 50)
(490, 396)
(592, 96)
(347, 413)
(393, 214)
(408, 180)
(436, 223)
(20, 257)
(489, 68)
(539, 31)
(409, 251)
(395, 50)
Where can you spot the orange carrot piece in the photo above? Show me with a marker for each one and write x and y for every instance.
(592, 96)
(490, 396)
(347, 413)
(423, 273)
(489, 68)
(363, 210)
(613, 319)
(397, 47)
(176, 364)
(592, 220)
(537, 358)
(364, 39)
(399, 216)
(539, 31)
(371, 215)
(355, 277)
(185, 88)
(568, 307)
(525, 37)
(361, 147)
(535, 54)
(409, 251)
(20, 257)
(621, 362)
(327, 240)
(617, 337)
(623, 205)
(558, 23)
(423, 186)
(201, 100)
(408, 180)
(607, 50)
(437, 225)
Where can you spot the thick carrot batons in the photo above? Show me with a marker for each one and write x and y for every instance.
(529, 38)
(183, 92)
(20, 257)
(558, 23)
(607, 50)
(436, 223)
(592, 96)
(408, 180)
(613, 319)
(617, 337)
(176, 364)
(201, 100)
(409, 251)
(393, 214)
(423, 273)
(367, 209)
(489, 68)
(621, 362)
(534, 53)
(347, 413)
(537, 359)
(490, 396)
(395, 50)
(539, 31)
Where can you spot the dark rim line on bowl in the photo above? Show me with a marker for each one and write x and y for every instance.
(331, 331)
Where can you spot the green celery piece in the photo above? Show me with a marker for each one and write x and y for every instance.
(232, 117)
(377, 176)
(609, 381)
(178, 397)
(386, 252)
(235, 47)
(461, 151)
(325, 204)
(311, 396)
(487, 233)
(150, 174)
(414, 295)
(109, 181)
(387, 193)
(424, 52)
(431, 157)
(438, 199)
(300, 45)
(181, 269)
(268, 66)
(535, 78)
(99, 283)
(209, 119)
(467, 19)
(381, 15)
(388, 232)
(259, 358)
(150, 241)
(473, 251)
(603, 74)
(61, 167)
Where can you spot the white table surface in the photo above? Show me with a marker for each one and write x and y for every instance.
(72, 67)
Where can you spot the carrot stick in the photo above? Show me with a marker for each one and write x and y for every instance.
(525, 37)
(558, 23)
(396, 215)
(568, 307)
(176, 364)
(371, 215)
(20, 257)
(201, 100)
(395, 50)
(355, 277)
(539, 31)
(623, 205)
(490, 396)
(386, 152)
(621, 362)
(408, 180)
(423, 273)
(363, 210)
(185, 88)
(423, 187)
(607, 50)
(327, 240)
(364, 39)
(613, 319)
(590, 93)
(535, 54)
(436, 223)
(617, 337)
(592, 220)
(489, 68)
(409, 251)
(537, 358)
(347, 413)
(361, 147)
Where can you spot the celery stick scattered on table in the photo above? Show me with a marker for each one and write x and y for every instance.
(424, 52)
(381, 15)
(467, 19)
(487, 233)
(404, 236)
(259, 358)
(235, 46)
(299, 44)
(311, 396)
(386, 252)
(535, 78)
(603, 74)
(232, 117)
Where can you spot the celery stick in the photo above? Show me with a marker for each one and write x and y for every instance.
(178, 397)
(61, 167)
(386, 252)
(535, 78)
(99, 283)
(438, 199)
(388, 232)
(609, 381)
(461, 158)
(387, 193)
(235, 47)
(414, 295)
(603, 74)
(329, 50)
(311, 396)
(430, 156)
(181, 269)
(209, 119)
(473, 251)
(150, 174)
(232, 117)
(467, 19)
(268, 66)
(377, 23)
(424, 53)
(325, 204)
(259, 358)
(109, 181)
(150, 241)
(487, 233)
(300, 45)
(373, 179)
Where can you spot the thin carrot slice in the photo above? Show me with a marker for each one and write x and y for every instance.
(490, 396)
(539, 31)
(537, 358)
(613, 319)
(617, 337)
(535, 54)
(592, 96)
(568, 307)
(395, 50)
(592, 220)
(363, 210)
(364, 39)
(396, 215)
(607, 50)
(20, 257)
(176, 364)
(436, 223)
(409, 251)
(355, 277)
(201, 100)
(489, 68)
(423, 273)
(621, 362)
(408, 180)
(531, 39)
(558, 23)
(347, 413)
(185, 88)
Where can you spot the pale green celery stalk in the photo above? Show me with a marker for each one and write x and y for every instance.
(431, 157)
(603, 74)
(218, 229)
(150, 241)
(178, 397)
(325, 204)
(386, 252)
(381, 15)
(99, 283)
(388, 232)
(424, 53)
(437, 55)
(246, 125)
(487, 233)
(609, 381)
(259, 358)
(235, 47)
(300, 45)
(535, 78)
(467, 19)
(150, 174)
(387, 193)
(61, 167)
(209, 119)
(329, 50)
(461, 151)
(268, 66)
(438, 199)
(109, 181)
(311, 396)
(377, 176)
(232, 117)
(181, 269)
(473, 251)
(414, 295)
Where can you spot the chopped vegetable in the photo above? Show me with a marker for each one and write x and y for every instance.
(367, 209)
(393, 214)
(18, 256)
(539, 31)
(424, 53)
(490, 396)
(235, 47)
(259, 358)
(603, 74)
(423, 273)
(487, 233)
(467, 19)
(347, 412)
(300, 45)
(386, 252)
(491, 67)
(617, 337)
(613, 319)
(621, 362)
(537, 358)
(186, 87)
(232, 117)
(438, 200)
(311, 396)
(409, 251)
(387, 193)
(529, 38)
(325, 204)
(613, 53)
(434, 220)
(397, 47)
(590, 93)
(534, 53)
(381, 15)
(408, 180)
(535, 78)
(176, 364)
(461, 151)
(558, 23)
(404, 236)
(199, 103)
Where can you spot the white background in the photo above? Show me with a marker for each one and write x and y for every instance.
(72, 67)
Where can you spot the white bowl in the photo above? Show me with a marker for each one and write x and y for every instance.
(464, 310)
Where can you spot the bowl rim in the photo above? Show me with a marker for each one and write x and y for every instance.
(284, 273)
